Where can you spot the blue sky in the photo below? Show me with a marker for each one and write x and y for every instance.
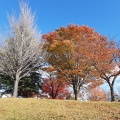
(102, 15)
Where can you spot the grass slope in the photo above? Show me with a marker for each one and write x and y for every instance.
(36, 109)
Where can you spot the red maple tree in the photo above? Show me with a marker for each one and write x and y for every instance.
(55, 88)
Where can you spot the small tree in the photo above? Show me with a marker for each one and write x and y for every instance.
(55, 87)
(22, 52)
(5, 82)
(97, 94)
(29, 85)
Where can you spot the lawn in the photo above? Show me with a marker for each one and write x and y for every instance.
(41, 109)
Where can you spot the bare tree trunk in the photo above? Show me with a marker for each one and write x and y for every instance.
(75, 91)
(112, 94)
(75, 95)
(111, 90)
(16, 82)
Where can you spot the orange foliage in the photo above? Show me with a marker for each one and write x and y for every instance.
(97, 94)
(79, 53)
(67, 49)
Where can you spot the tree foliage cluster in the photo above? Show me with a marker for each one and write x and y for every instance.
(83, 56)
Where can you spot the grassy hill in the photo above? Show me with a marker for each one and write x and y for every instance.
(36, 109)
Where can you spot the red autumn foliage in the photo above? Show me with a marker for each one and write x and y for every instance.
(55, 88)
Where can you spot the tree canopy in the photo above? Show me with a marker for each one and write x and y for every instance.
(23, 49)
(81, 54)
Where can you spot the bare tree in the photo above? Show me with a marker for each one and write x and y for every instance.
(23, 49)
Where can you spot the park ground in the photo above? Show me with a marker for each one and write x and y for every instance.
(43, 109)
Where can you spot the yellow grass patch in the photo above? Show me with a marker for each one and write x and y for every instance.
(36, 109)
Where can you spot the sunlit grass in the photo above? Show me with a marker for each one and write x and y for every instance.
(37, 109)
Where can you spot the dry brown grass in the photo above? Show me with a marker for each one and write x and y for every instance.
(36, 109)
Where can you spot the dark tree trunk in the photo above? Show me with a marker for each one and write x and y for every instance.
(111, 84)
(75, 91)
(75, 95)
(112, 94)
(53, 97)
